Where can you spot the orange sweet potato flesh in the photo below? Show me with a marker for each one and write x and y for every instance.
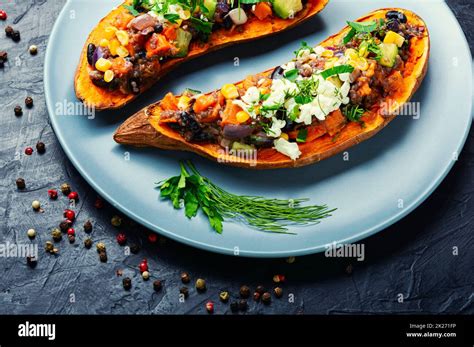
(103, 99)
(145, 129)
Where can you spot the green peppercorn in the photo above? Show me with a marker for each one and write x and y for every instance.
(103, 257)
(18, 111)
(266, 298)
(29, 102)
(244, 291)
(184, 291)
(260, 289)
(234, 306)
(116, 221)
(88, 226)
(134, 248)
(127, 283)
(224, 296)
(157, 285)
(49, 247)
(88, 243)
(41, 147)
(65, 188)
(20, 183)
(200, 285)
(243, 305)
(185, 277)
(100, 247)
(56, 234)
(278, 292)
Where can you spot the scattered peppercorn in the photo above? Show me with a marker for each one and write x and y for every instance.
(9, 31)
(278, 292)
(2, 64)
(121, 239)
(71, 238)
(134, 248)
(29, 102)
(279, 278)
(152, 238)
(210, 307)
(200, 285)
(3, 56)
(184, 291)
(49, 247)
(290, 260)
(31, 233)
(100, 247)
(33, 50)
(53, 194)
(116, 221)
(244, 292)
(87, 226)
(56, 234)
(127, 283)
(88, 243)
(65, 188)
(71, 231)
(18, 111)
(143, 266)
(28, 151)
(103, 257)
(73, 196)
(256, 296)
(3, 15)
(266, 298)
(20, 183)
(157, 285)
(234, 306)
(243, 305)
(260, 289)
(64, 225)
(224, 296)
(16, 37)
(31, 261)
(41, 148)
(36, 205)
(185, 277)
(98, 203)
(145, 275)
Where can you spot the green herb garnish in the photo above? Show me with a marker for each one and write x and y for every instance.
(336, 70)
(304, 46)
(132, 10)
(291, 74)
(353, 112)
(171, 17)
(302, 135)
(364, 27)
(273, 215)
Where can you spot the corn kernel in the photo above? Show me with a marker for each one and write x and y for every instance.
(113, 46)
(109, 76)
(393, 37)
(330, 63)
(362, 64)
(327, 54)
(122, 36)
(284, 136)
(109, 32)
(103, 64)
(350, 53)
(186, 14)
(229, 91)
(122, 52)
(242, 116)
(363, 50)
(183, 102)
(104, 43)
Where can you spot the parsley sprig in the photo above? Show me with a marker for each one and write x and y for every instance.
(194, 192)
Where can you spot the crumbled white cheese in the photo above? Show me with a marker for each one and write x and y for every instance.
(319, 50)
(275, 129)
(290, 149)
(251, 96)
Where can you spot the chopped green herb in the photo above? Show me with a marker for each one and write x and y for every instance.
(132, 10)
(353, 112)
(364, 27)
(304, 46)
(349, 36)
(302, 135)
(303, 99)
(171, 17)
(291, 74)
(336, 70)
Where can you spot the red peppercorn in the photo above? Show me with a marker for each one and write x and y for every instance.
(121, 239)
(73, 196)
(210, 307)
(143, 266)
(71, 231)
(53, 194)
(98, 203)
(28, 151)
(3, 15)
(69, 214)
(152, 238)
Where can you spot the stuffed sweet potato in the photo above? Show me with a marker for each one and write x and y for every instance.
(141, 40)
(324, 101)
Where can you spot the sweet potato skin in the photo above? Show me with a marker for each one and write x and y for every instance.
(312, 152)
(102, 99)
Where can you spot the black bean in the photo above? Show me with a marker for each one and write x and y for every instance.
(396, 15)
(277, 73)
(90, 53)
(158, 28)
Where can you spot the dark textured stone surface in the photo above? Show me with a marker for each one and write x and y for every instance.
(413, 258)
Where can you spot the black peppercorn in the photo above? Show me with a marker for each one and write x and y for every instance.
(64, 225)
(3, 56)
(2, 64)
(20, 183)
(31, 261)
(103, 257)
(134, 248)
(157, 285)
(29, 102)
(40, 147)
(88, 226)
(244, 292)
(18, 111)
(184, 291)
(278, 292)
(16, 37)
(185, 277)
(243, 305)
(9, 31)
(88, 243)
(72, 239)
(266, 298)
(127, 283)
(65, 188)
(260, 289)
(256, 296)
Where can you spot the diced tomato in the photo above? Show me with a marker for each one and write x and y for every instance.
(158, 45)
(229, 114)
(204, 102)
(170, 32)
(169, 103)
(262, 10)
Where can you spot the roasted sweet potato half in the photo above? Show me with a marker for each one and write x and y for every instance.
(139, 48)
(326, 100)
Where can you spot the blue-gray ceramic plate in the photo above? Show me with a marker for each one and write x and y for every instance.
(383, 179)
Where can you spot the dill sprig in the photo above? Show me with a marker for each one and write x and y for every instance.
(193, 191)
